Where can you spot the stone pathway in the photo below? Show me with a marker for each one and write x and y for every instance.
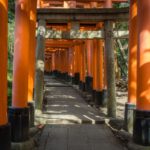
(71, 124)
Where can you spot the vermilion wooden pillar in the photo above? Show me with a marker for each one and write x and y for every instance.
(70, 4)
(63, 64)
(31, 73)
(94, 66)
(53, 62)
(70, 63)
(38, 3)
(67, 65)
(100, 95)
(4, 126)
(76, 77)
(100, 65)
(82, 67)
(142, 113)
(93, 4)
(56, 63)
(19, 113)
(89, 77)
(32, 50)
(132, 67)
(108, 3)
(89, 58)
(65, 58)
(60, 65)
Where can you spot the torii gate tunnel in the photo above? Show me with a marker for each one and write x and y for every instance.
(74, 41)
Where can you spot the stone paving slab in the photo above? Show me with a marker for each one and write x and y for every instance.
(78, 137)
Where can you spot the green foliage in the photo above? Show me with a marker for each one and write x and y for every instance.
(121, 46)
(10, 48)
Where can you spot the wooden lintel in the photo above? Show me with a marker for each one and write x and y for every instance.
(115, 1)
(73, 34)
(63, 44)
(83, 15)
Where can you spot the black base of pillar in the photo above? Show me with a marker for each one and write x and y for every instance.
(19, 120)
(64, 76)
(82, 86)
(31, 114)
(55, 73)
(5, 137)
(59, 75)
(88, 84)
(51, 73)
(69, 78)
(46, 73)
(72, 80)
(141, 127)
(93, 95)
(128, 117)
(100, 98)
(76, 78)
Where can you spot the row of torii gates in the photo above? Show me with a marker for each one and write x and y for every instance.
(74, 44)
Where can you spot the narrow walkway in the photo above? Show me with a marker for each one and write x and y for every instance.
(71, 124)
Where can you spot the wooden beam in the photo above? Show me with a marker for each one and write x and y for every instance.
(114, 1)
(62, 43)
(73, 34)
(83, 15)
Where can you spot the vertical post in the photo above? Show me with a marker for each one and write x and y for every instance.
(132, 67)
(100, 97)
(19, 112)
(70, 4)
(82, 67)
(89, 78)
(67, 65)
(73, 26)
(31, 73)
(141, 126)
(5, 140)
(53, 62)
(108, 4)
(38, 3)
(58, 63)
(94, 4)
(94, 66)
(63, 65)
(100, 65)
(39, 75)
(76, 65)
(110, 70)
(70, 63)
